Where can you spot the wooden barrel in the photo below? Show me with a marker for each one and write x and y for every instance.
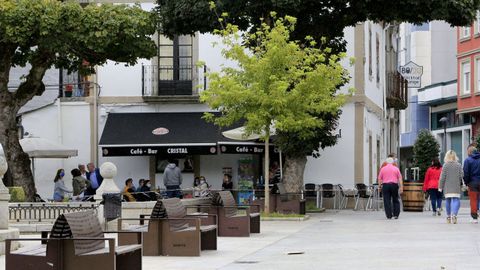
(412, 197)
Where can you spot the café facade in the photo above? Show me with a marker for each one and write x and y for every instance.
(147, 141)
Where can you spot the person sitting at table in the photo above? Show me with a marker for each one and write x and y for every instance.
(227, 182)
(129, 190)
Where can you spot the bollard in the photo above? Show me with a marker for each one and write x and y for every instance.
(108, 171)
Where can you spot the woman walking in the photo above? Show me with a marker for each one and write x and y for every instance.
(451, 185)
(430, 185)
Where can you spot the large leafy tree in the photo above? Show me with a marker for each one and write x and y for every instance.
(279, 84)
(48, 33)
(318, 19)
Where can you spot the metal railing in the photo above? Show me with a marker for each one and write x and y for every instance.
(170, 80)
(397, 91)
(38, 212)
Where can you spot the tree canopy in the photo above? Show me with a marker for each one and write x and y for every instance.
(47, 33)
(317, 18)
(279, 83)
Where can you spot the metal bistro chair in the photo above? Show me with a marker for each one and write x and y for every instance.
(362, 194)
(310, 190)
(328, 192)
(376, 198)
(344, 197)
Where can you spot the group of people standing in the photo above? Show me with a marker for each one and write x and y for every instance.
(84, 183)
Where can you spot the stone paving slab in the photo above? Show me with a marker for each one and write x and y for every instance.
(366, 240)
(343, 240)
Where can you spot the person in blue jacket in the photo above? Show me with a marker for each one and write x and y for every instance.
(471, 178)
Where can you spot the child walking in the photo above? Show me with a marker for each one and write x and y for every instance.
(451, 185)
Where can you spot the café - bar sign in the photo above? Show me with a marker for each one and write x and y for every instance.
(412, 73)
(159, 150)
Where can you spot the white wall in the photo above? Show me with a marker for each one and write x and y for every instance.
(444, 51)
(336, 164)
(374, 90)
(129, 167)
(120, 80)
(75, 133)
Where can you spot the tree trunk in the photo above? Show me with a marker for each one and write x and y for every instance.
(18, 161)
(266, 172)
(293, 173)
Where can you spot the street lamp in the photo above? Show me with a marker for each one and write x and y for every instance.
(444, 121)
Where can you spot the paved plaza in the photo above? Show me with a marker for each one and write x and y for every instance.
(343, 240)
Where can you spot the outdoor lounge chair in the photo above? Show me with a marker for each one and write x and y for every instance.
(231, 222)
(75, 242)
(183, 235)
(289, 203)
(151, 227)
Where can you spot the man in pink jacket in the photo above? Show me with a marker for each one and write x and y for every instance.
(390, 183)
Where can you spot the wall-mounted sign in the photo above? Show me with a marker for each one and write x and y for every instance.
(412, 73)
(159, 151)
(245, 149)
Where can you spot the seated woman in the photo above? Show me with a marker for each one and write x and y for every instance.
(203, 189)
(146, 192)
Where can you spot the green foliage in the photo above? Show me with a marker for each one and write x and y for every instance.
(64, 34)
(280, 215)
(425, 149)
(279, 83)
(17, 194)
(320, 18)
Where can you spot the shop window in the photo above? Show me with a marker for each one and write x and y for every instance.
(454, 119)
(186, 164)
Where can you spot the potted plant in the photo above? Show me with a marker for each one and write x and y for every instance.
(68, 90)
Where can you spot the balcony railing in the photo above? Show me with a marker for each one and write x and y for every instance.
(173, 81)
(397, 91)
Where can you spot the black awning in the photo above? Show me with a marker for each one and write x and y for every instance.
(141, 134)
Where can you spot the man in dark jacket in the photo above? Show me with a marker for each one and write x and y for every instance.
(471, 177)
(95, 178)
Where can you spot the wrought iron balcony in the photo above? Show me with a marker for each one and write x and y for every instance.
(162, 82)
(397, 91)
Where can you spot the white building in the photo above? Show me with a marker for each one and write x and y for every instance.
(137, 116)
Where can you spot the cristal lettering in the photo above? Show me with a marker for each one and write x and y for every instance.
(177, 151)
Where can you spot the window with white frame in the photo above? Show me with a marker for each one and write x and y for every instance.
(466, 77)
(477, 74)
(477, 23)
(465, 32)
